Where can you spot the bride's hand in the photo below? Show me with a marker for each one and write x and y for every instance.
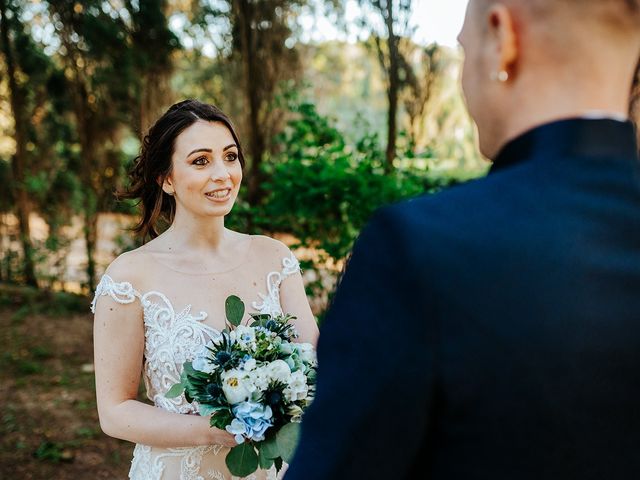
(222, 437)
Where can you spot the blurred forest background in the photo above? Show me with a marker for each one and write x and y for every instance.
(333, 129)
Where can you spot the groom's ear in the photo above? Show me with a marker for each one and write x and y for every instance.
(502, 38)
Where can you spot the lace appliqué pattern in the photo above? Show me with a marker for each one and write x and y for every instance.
(170, 340)
(270, 303)
(121, 292)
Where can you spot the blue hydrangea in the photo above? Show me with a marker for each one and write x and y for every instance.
(251, 421)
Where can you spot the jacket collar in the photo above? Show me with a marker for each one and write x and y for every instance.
(577, 137)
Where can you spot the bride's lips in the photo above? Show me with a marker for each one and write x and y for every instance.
(219, 195)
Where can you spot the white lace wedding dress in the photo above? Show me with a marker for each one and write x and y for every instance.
(173, 337)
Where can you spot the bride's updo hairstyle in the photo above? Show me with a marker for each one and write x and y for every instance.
(153, 164)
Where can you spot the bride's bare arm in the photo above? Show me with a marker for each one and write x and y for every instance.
(118, 351)
(294, 301)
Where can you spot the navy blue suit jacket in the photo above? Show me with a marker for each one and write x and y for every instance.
(492, 331)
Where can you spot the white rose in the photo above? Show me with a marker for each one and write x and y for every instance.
(234, 386)
(307, 352)
(278, 371)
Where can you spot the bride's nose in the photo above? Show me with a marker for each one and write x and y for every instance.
(219, 172)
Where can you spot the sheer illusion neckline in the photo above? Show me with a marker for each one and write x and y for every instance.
(243, 260)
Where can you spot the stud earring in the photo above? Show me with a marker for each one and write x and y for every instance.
(501, 76)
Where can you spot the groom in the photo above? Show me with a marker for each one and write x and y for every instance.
(492, 331)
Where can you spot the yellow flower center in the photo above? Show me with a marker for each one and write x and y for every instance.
(233, 382)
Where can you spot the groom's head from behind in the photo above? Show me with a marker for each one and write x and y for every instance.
(528, 62)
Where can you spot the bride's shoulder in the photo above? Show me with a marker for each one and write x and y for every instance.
(268, 247)
(128, 267)
(275, 254)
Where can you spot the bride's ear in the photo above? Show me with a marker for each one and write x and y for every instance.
(166, 185)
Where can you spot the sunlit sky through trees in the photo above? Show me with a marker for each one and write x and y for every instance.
(430, 21)
(434, 21)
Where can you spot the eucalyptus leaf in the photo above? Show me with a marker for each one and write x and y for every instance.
(269, 447)
(287, 440)
(264, 461)
(234, 308)
(242, 460)
(175, 391)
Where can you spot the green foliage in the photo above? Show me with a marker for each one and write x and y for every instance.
(269, 447)
(264, 461)
(323, 192)
(234, 308)
(287, 440)
(175, 391)
(221, 418)
(242, 460)
(51, 451)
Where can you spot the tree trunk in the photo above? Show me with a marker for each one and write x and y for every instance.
(23, 208)
(245, 17)
(91, 238)
(88, 150)
(155, 73)
(393, 88)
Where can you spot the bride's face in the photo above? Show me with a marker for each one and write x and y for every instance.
(206, 172)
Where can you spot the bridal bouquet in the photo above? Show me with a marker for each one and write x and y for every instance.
(255, 382)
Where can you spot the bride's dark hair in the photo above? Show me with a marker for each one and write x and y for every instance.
(153, 164)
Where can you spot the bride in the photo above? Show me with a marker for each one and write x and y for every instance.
(158, 304)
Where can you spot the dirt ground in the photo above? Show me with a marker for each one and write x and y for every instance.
(48, 421)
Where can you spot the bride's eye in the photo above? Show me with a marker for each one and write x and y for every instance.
(232, 157)
(200, 161)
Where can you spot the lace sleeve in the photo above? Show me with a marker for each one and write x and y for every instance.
(121, 292)
(270, 303)
(290, 265)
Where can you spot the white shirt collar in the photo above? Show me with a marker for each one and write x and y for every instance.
(604, 115)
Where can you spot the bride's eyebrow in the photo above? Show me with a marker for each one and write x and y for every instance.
(207, 150)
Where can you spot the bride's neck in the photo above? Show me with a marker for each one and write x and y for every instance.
(196, 234)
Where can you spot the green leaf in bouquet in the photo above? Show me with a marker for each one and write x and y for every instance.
(259, 319)
(192, 373)
(221, 418)
(234, 308)
(269, 447)
(175, 391)
(242, 460)
(278, 463)
(265, 462)
(206, 410)
(287, 440)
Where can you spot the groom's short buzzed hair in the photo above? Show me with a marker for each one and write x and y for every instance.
(619, 14)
